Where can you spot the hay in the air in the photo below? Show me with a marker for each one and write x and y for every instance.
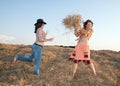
(73, 22)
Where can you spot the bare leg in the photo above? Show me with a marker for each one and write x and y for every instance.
(91, 66)
(75, 65)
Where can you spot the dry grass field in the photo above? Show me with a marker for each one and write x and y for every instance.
(56, 69)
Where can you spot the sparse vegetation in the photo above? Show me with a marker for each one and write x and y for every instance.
(56, 69)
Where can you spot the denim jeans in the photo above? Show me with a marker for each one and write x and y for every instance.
(36, 54)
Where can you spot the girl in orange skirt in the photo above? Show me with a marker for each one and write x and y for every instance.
(82, 50)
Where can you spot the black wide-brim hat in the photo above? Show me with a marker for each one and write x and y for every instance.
(40, 21)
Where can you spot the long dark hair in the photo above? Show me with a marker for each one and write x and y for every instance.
(37, 25)
(85, 23)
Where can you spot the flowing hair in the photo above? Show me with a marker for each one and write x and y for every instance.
(37, 25)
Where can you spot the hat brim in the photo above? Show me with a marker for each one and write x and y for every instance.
(40, 22)
(44, 22)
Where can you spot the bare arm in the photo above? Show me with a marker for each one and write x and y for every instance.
(89, 34)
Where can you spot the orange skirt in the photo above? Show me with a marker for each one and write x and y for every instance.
(80, 53)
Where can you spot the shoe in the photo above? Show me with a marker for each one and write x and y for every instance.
(15, 59)
(37, 76)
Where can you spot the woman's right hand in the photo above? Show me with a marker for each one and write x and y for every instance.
(46, 33)
(83, 31)
(51, 39)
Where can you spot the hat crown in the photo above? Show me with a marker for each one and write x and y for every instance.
(40, 21)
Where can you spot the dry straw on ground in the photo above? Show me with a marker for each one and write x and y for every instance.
(55, 68)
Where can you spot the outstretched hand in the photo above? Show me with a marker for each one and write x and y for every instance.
(46, 33)
(51, 39)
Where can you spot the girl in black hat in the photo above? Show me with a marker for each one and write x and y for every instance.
(36, 47)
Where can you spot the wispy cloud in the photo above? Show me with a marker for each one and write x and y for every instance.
(6, 39)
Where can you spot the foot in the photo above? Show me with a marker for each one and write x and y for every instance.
(15, 59)
(94, 74)
(37, 76)
(70, 78)
(73, 75)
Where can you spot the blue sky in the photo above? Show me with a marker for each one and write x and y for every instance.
(17, 18)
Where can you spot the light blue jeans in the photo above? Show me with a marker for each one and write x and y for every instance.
(36, 54)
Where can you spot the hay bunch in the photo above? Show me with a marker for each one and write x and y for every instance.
(72, 21)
